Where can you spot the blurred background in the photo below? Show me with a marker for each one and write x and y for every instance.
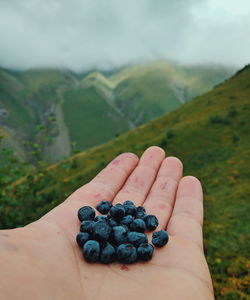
(82, 81)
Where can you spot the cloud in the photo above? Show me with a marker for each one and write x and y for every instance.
(86, 34)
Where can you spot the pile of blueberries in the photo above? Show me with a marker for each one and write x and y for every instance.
(118, 236)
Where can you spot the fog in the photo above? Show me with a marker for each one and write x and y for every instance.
(87, 34)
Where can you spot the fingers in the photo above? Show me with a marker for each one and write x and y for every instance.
(109, 181)
(187, 217)
(140, 181)
(160, 200)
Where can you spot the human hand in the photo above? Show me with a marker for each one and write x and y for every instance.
(53, 263)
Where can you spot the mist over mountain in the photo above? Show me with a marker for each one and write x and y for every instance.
(84, 35)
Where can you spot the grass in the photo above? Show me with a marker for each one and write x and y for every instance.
(11, 98)
(90, 119)
(143, 98)
(145, 92)
(35, 80)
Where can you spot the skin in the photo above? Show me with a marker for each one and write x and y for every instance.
(43, 261)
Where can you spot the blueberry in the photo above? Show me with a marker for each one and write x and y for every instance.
(137, 238)
(112, 222)
(138, 225)
(145, 251)
(101, 231)
(91, 251)
(81, 238)
(140, 212)
(160, 238)
(101, 218)
(128, 202)
(119, 235)
(125, 226)
(87, 226)
(117, 212)
(86, 213)
(108, 253)
(130, 209)
(103, 207)
(151, 222)
(127, 220)
(126, 253)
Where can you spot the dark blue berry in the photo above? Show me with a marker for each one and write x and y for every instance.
(151, 222)
(140, 212)
(145, 251)
(87, 226)
(119, 235)
(112, 222)
(81, 238)
(86, 213)
(160, 238)
(137, 238)
(117, 212)
(125, 226)
(101, 231)
(126, 253)
(138, 225)
(128, 202)
(108, 253)
(130, 209)
(101, 218)
(91, 251)
(127, 220)
(103, 207)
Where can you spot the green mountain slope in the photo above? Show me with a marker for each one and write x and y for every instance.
(43, 112)
(148, 91)
(90, 119)
(30, 100)
(145, 97)
(211, 136)
(14, 109)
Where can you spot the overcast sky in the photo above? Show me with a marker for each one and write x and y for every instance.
(103, 34)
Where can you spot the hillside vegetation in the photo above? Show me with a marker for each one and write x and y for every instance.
(149, 91)
(90, 119)
(48, 114)
(210, 134)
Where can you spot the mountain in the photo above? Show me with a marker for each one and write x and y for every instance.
(210, 134)
(149, 91)
(90, 119)
(43, 113)
(29, 102)
(48, 114)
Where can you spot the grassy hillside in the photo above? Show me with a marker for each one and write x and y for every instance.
(211, 136)
(148, 91)
(43, 112)
(143, 97)
(15, 111)
(90, 119)
(29, 100)
(144, 92)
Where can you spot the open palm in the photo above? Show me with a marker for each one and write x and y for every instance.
(176, 271)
